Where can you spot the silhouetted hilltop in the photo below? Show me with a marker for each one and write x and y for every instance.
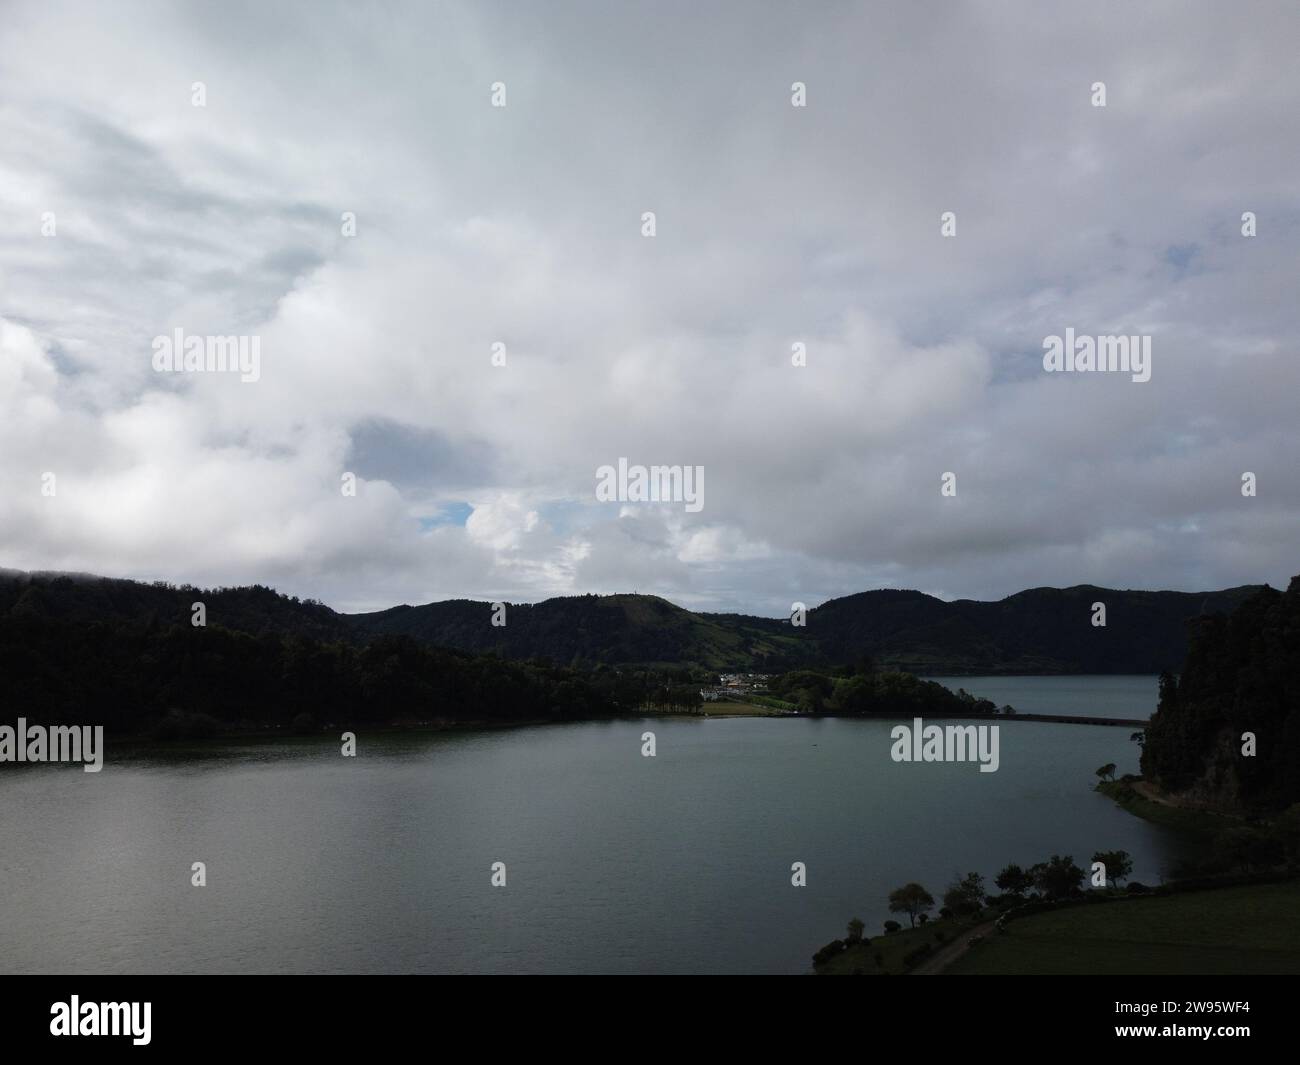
(1042, 630)
(614, 629)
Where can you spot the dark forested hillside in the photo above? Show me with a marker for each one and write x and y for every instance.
(133, 678)
(1242, 674)
(1044, 630)
(254, 609)
(129, 651)
(136, 678)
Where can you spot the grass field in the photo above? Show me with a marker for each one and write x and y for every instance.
(1253, 929)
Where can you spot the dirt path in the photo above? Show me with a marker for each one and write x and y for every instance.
(940, 960)
(1148, 791)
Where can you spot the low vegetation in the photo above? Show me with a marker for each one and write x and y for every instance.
(1227, 930)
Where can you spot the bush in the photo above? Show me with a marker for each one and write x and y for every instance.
(892, 926)
(1138, 888)
(832, 949)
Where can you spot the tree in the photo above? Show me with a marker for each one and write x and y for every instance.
(1139, 737)
(910, 899)
(1119, 865)
(1014, 881)
(1107, 772)
(856, 928)
(965, 896)
(1058, 877)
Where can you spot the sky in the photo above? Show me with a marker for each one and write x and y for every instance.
(339, 182)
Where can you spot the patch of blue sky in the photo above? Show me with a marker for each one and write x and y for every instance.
(448, 514)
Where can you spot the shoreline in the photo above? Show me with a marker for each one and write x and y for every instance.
(742, 710)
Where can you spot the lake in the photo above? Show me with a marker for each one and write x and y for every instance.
(615, 863)
(1116, 696)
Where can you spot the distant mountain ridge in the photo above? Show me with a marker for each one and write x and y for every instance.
(1040, 630)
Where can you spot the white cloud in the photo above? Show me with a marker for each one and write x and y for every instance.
(776, 225)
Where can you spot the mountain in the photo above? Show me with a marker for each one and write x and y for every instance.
(80, 598)
(614, 629)
(1242, 675)
(1043, 630)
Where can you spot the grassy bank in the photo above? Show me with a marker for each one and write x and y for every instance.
(727, 708)
(1180, 819)
(1251, 929)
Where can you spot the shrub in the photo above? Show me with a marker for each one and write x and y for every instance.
(832, 949)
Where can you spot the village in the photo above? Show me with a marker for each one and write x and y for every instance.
(736, 685)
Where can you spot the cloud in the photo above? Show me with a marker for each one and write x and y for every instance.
(776, 225)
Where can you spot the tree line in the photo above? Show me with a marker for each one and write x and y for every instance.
(178, 679)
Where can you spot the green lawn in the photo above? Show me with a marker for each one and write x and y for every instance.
(892, 947)
(1252, 929)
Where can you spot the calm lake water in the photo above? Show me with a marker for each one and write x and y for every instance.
(1119, 696)
(615, 862)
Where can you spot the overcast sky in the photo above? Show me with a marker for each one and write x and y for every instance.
(775, 225)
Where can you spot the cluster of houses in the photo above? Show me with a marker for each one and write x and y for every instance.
(736, 684)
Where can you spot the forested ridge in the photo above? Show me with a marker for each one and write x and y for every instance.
(1242, 675)
(181, 680)
(1043, 630)
(126, 656)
